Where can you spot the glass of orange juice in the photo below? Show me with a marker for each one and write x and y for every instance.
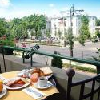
(1, 85)
(34, 78)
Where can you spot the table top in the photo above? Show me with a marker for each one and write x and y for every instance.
(19, 94)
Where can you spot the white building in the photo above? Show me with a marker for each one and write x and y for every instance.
(63, 23)
(92, 24)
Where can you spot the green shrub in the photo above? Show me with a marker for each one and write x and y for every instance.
(7, 42)
(56, 62)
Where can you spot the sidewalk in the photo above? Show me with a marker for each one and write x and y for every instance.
(79, 64)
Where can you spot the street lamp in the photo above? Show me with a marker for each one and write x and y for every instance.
(55, 29)
(71, 41)
(71, 37)
(72, 13)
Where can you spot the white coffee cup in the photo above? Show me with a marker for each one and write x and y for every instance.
(42, 82)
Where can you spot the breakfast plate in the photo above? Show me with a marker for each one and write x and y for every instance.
(4, 91)
(15, 83)
(49, 84)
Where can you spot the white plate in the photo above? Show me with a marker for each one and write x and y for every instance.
(14, 88)
(4, 91)
(49, 84)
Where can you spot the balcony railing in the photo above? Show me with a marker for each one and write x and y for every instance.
(33, 51)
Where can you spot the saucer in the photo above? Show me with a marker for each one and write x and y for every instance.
(49, 84)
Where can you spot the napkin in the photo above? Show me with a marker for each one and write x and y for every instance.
(33, 92)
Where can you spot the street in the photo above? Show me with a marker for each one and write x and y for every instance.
(88, 50)
(80, 51)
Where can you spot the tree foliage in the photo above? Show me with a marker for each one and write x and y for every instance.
(19, 28)
(98, 22)
(97, 33)
(48, 33)
(59, 34)
(37, 23)
(70, 39)
(2, 26)
(84, 33)
(97, 58)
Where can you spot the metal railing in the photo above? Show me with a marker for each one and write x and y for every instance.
(35, 51)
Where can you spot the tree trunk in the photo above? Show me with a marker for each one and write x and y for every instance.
(71, 52)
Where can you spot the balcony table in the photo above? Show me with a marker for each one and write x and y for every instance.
(19, 94)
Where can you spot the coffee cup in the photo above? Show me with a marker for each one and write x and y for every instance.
(42, 82)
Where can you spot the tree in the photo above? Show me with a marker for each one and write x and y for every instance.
(39, 33)
(70, 38)
(98, 22)
(19, 28)
(48, 33)
(2, 27)
(82, 38)
(37, 23)
(32, 32)
(59, 34)
(55, 33)
(84, 33)
(97, 33)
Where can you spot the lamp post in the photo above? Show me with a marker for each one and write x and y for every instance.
(72, 13)
(71, 37)
(55, 30)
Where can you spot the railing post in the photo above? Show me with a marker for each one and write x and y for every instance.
(3, 58)
(31, 61)
(70, 73)
(98, 71)
(0, 69)
(23, 57)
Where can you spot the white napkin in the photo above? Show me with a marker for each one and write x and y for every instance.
(33, 92)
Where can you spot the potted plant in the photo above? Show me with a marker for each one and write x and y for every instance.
(56, 62)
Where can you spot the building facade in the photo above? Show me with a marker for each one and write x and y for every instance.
(63, 23)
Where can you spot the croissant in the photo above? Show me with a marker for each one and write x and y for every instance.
(41, 73)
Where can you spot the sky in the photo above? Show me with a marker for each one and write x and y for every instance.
(19, 8)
